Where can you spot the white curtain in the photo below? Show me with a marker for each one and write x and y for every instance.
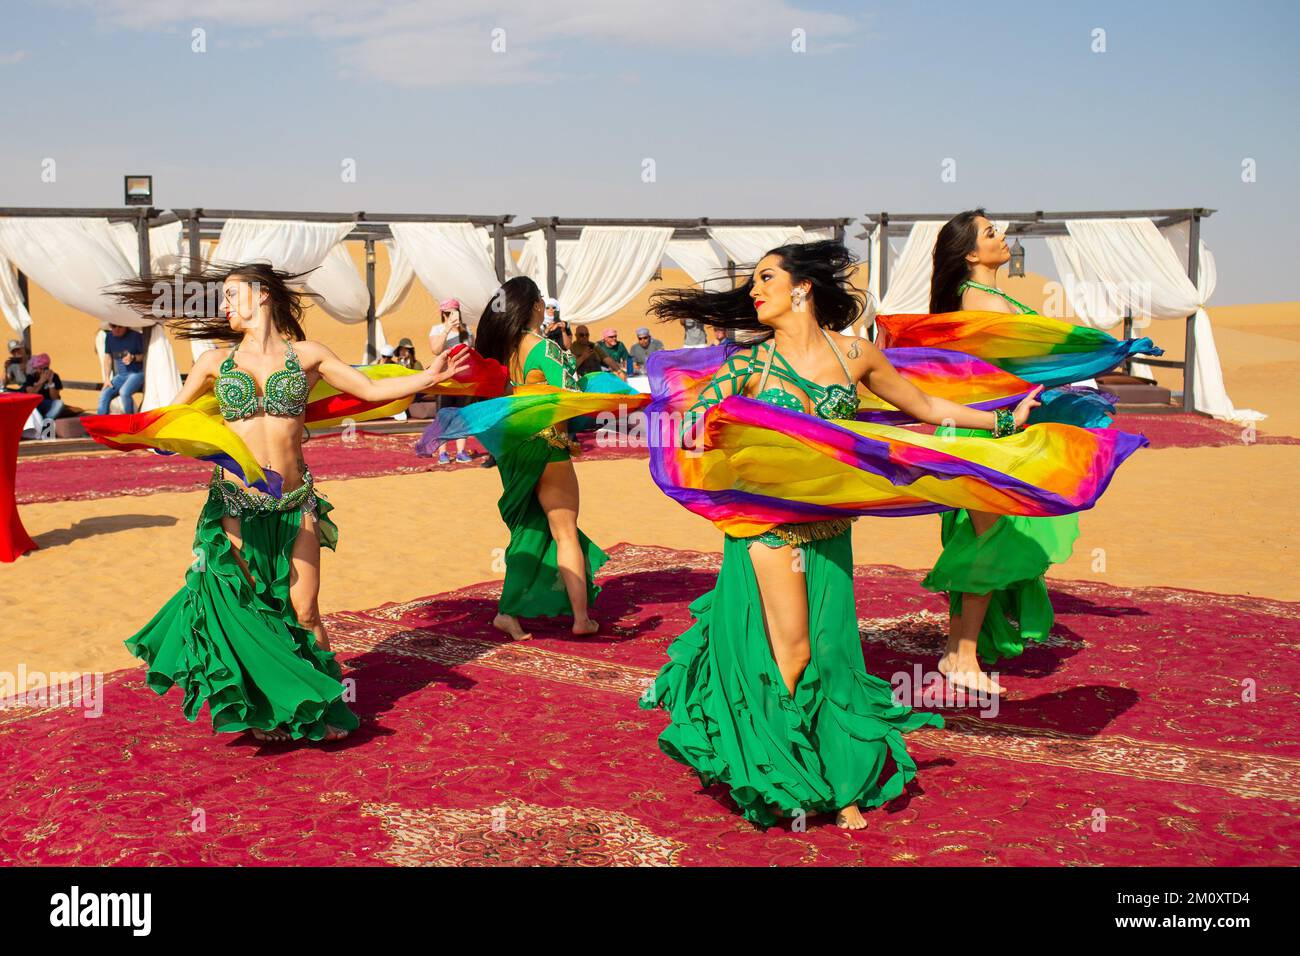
(1146, 277)
(745, 245)
(909, 271)
(700, 260)
(610, 266)
(166, 246)
(295, 246)
(341, 290)
(401, 274)
(532, 261)
(73, 259)
(452, 260)
(11, 298)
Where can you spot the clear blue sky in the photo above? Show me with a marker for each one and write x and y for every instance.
(736, 123)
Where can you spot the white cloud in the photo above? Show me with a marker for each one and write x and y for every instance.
(442, 43)
(17, 56)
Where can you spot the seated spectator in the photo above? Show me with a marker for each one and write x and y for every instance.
(720, 336)
(44, 381)
(123, 368)
(614, 349)
(404, 355)
(553, 327)
(587, 357)
(16, 366)
(643, 348)
(386, 355)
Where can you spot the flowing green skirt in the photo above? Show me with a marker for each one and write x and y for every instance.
(533, 586)
(1008, 562)
(733, 721)
(238, 647)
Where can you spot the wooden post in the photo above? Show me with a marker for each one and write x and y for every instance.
(1189, 340)
(883, 265)
(882, 254)
(1128, 334)
(142, 242)
(499, 249)
(372, 348)
(27, 304)
(552, 265)
(195, 242)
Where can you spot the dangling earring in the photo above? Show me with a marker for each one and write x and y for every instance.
(797, 298)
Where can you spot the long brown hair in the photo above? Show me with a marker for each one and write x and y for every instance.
(955, 241)
(827, 264)
(192, 305)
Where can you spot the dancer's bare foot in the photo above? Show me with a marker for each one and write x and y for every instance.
(967, 675)
(509, 624)
(271, 736)
(333, 733)
(585, 627)
(850, 818)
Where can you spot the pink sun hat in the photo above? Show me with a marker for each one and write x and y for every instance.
(449, 305)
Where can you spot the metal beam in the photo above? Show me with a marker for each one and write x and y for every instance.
(1177, 215)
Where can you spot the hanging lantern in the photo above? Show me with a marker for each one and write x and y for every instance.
(1016, 267)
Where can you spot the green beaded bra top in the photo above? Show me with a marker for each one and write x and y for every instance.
(972, 284)
(832, 401)
(286, 389)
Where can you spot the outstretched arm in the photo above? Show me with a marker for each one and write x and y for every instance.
(883, 380)
(347, 379)
(199, 379)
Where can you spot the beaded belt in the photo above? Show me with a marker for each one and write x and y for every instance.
(796, 535)
(558, 439)
(237, 501)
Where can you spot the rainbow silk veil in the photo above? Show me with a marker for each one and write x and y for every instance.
(198, 431)
(502, 424)
(755, 465)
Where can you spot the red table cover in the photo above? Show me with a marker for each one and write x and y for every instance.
(15, 408)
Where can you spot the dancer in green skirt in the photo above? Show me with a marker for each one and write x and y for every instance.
(768, 691)
(550, 563)
(992, 566)
(244, 634)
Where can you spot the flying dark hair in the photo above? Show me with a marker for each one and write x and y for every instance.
(192, 302)
(956, 240)
(827, 264)
(506, 318)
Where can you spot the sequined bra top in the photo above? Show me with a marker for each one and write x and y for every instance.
(286, 389)
(834, 401)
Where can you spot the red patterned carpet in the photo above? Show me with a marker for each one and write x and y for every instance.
(1131, 740)
(74, 477)
(1179, 430)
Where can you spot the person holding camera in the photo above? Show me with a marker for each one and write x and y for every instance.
(444, 336)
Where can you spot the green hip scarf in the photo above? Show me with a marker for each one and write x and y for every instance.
(732, 720)
(238, 646)
(1007, 562)
(533, 586)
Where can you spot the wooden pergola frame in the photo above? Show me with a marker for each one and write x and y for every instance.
(1039, 223)
(202, 223)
